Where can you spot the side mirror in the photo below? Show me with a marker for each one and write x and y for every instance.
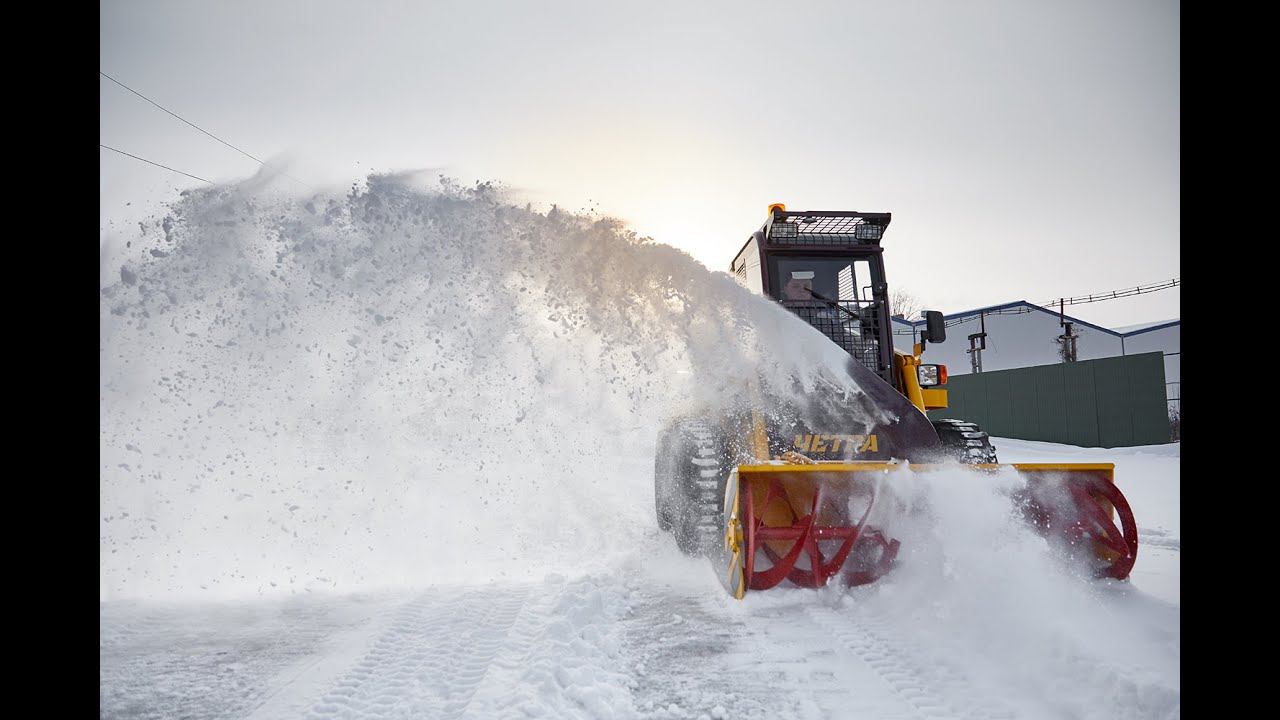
(935, 328)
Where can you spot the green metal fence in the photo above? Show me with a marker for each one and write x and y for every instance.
(1111, 402)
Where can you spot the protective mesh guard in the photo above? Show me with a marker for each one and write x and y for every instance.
(851, 324)
(823, 230)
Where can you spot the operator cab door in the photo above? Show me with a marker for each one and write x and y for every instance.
(836, 296)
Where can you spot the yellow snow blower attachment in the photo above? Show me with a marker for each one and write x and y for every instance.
(810, 523)
(800, 490)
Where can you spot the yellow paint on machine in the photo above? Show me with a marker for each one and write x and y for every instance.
(934, 398)
(906, 365)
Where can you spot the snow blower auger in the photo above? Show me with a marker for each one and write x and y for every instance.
(809, 523)
(797, 487)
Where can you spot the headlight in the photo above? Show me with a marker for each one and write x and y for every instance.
(867, 231)
(930, 375)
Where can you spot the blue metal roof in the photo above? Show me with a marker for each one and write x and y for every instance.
(1153, 328)
(1047, 311)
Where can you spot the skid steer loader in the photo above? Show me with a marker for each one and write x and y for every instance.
(791, 487)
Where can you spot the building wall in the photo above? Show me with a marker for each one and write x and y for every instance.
(1018, 340)
(1169, 341)
(1028, 339)
(1166, 339)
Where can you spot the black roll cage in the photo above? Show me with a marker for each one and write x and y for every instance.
(829, 233)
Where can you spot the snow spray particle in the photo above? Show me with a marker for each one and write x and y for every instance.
(403, 384)
(977, 585)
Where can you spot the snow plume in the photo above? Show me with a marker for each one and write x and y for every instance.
(974, 574)
(402, 384)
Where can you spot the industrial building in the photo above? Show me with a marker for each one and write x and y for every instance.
(1020, 334)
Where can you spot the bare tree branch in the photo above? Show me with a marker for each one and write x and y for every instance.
(902, 302)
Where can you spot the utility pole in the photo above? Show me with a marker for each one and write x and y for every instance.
(978, 343)
(1067, 340)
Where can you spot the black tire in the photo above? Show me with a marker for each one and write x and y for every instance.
(664, 481)
(965, 442)
(689, 479)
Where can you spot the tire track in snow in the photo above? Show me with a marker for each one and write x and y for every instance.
(688, 658)
(1119, 661)
(936, 689)
(498, 696)
(697, 656)
(562, 657)
(218, 659)
(295, 688)
(430, 661)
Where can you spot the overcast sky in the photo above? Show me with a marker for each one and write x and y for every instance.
(1027, 149)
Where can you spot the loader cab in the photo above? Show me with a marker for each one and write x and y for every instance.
(827, 267)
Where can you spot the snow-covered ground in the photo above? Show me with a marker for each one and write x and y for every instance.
(1148, 476)
(658, 638)
(388, 453)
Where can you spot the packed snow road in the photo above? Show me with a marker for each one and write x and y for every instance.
(658, 638)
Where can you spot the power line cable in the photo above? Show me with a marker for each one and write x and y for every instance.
(149, 162)
(1115, 294)
(1079, 300)
(197, 127)
(167, 110)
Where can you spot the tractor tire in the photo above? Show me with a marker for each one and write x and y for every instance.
(664, 482)
(689, 479)
(965, 442)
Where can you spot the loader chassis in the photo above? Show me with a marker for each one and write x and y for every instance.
(783, 488)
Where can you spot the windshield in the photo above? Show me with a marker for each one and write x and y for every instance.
(804, 278)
